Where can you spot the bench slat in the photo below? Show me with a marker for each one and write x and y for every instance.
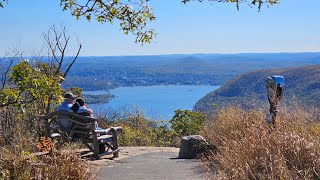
(105, 138)
(66, 113)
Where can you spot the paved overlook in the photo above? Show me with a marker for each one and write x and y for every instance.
(150, 163)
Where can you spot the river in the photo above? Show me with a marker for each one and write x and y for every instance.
(156, 102)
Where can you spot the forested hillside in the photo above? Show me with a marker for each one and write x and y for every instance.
(248, 90)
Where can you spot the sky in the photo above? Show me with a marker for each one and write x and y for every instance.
(292, 26)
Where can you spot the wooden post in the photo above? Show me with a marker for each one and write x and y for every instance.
(95, 140)
(115, 142)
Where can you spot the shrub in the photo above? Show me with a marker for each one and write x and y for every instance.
(186, 122)
(139, 131)
(248, 149)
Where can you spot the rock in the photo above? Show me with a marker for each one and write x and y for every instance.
(191, 146)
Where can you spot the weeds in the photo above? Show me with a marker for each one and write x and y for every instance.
(15, 164)
(247, 149)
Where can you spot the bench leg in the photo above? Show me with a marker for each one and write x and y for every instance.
(115, 142)
(95, 140)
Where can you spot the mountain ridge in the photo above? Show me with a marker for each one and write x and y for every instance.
(98, 73)
(248, 90)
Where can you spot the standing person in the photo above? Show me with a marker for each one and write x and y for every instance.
(66, 106)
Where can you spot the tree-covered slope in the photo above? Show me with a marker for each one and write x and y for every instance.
(248, 90)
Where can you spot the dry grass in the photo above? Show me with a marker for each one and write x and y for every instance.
(15, 164)
(248, 149)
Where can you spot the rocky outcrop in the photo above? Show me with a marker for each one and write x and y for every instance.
(192, 146)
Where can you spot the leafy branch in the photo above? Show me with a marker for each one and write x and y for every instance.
(133, 16)
(1, 4)
(259, 3)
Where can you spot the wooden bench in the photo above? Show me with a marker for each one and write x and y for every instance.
(99, 142)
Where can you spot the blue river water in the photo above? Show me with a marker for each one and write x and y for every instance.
(156, 102)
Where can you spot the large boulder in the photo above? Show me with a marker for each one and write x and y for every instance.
(191, 146)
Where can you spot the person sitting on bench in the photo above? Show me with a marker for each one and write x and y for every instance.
(70, 105)
(83, 109)
(66, 105)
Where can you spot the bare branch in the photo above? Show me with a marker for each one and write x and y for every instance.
(5, 74)
(73, 61)
(49, 43)
(57, 37)
(61, 41)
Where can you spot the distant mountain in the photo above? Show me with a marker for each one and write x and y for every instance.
(249, 90)
(97, 73)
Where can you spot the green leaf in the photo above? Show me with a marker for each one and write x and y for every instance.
(88, 17)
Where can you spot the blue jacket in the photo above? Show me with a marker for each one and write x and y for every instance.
(64, 120)
(65, 106)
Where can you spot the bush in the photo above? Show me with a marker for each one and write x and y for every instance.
(248, 149)
(186, 122)
(139, 131)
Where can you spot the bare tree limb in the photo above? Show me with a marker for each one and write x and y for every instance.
(73, 61)
(5, 74)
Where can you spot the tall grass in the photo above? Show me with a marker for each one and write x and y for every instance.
(15, 164)
(18, 134)
(248, 149)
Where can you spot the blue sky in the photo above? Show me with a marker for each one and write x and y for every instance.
(292, 26)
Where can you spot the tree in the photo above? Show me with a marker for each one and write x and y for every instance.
(32, 87)
(57, 41)
(34, 79)
(27, 83)
(25, 95)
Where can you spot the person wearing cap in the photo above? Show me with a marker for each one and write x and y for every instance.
(66, 106)
(67, 103)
